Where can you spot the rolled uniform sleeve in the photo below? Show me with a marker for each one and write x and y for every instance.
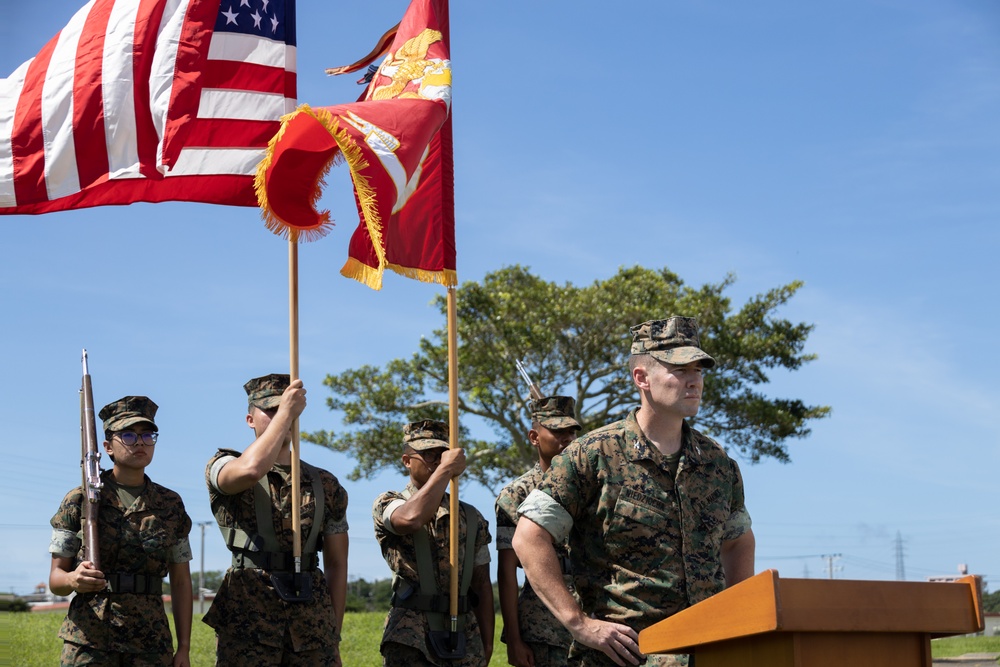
(213, 472)
(738, 523)
(506, 522)
(542, 509)
(335, 498)
(483, 540)
(386, 515)
(181, 552)
(64, 543)
(66, 525)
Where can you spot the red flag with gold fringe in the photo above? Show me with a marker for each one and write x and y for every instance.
(396, 140)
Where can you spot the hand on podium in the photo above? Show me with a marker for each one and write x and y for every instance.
(618, 642)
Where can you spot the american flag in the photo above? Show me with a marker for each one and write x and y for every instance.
(147, 100)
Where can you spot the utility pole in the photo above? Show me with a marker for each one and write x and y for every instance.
(201, 570)
(829, 563)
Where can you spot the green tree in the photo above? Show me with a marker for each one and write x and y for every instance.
(363, 595)
(574, 341)
(213, 580)
(991, 602)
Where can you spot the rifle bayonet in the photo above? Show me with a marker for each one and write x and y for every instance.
(533, 388)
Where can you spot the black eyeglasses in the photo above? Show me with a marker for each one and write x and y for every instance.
(429, 456)
(130, 439)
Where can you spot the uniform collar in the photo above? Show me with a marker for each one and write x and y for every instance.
(149, 498)
(638, 446)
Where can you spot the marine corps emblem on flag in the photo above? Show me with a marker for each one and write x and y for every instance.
(396, 140)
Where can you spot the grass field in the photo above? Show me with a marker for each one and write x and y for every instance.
(33, 642)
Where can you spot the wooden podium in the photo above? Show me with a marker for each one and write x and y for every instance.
(770, 622)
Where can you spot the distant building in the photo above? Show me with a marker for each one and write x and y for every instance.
(992, 619)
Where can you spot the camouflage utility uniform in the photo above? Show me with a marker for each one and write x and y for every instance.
(405, 632)
(247, 613)
(142, 539)
(645, 544)
(548, 639)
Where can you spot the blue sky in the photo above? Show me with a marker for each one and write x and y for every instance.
(852, 146)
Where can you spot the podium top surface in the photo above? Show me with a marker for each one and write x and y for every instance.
(766, 603)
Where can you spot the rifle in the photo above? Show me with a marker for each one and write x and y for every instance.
(90, 467)
(533, 388)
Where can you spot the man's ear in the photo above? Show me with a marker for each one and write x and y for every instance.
(533, 437)
(640, 377)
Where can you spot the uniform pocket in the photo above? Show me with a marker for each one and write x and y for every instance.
(640, 524)
(156, 539)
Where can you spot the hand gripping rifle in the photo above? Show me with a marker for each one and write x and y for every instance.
(536, 393)
(90, 465)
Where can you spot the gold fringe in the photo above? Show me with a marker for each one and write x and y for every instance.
(368, 203)
(367, 197)
(363, 273)
(446, 277)
(272, 221)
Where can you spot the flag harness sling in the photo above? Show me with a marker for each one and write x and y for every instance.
(425, 597)
(262, 550)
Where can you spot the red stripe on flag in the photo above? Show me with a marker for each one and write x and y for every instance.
(147, 24)
(213, 189)
(189, 75)
(226, 133)
(88, 98)
(27, 142)
(247, 76)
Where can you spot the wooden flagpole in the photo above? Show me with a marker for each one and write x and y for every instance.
(453, 443)
(293, 338)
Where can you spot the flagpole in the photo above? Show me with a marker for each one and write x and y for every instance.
(293, 338)
(453, 443)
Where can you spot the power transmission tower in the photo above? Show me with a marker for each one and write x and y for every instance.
(900, 570)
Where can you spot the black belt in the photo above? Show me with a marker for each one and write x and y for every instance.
(274, 561)
(141, 584)
(435, 603)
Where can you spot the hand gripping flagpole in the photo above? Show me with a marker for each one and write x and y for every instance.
(453, 443)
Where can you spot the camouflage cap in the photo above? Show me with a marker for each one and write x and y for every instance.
(673, 340)
(127, 411)
(265, 392)
(426, 434)
(555, 412)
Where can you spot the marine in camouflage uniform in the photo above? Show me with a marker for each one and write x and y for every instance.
(253, 624)
(532, 634)
(117, 615)
(399, 519)
(653, 509)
